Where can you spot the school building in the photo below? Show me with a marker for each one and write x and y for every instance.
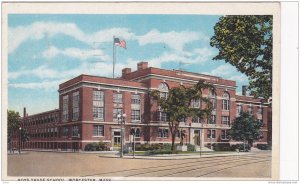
(89, 105)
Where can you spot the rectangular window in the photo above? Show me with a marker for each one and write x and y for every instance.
(195, 120)
(225, 104)
(211, 134)
(214, 103)
(135, 99)
(135, 115)
(75, 131)
(75, 104)
(212, 119)
(136, 131)
(225, 120)
(259, 113)
(250, 109)
(98, 105)
(118, 98)
(238, 110)
(65, 131)
(195, 103)
(224, 134)
(98, 130)
(163, 132)
(65, 108)
(117, 111)
(162, 116)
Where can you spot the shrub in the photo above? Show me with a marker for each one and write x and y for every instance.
(167, 146)
(264, 146)
(221, 147)
(96, 146)
(191, 147)
(240, 147)
(158, 151)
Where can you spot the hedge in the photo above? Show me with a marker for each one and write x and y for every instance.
(264, 147)
(96, 147)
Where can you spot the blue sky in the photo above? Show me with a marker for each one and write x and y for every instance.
(46, 50)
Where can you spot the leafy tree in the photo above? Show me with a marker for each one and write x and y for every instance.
(246, 43)
(177, 105)
(245, 128)
(12, 126)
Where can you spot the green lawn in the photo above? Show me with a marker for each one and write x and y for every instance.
(189, 152)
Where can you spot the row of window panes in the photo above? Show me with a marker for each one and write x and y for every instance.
(41, 121)
(250, 110)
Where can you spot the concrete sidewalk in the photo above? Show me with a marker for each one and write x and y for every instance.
(173, 156)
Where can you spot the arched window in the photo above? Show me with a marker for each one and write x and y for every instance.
(225, 101)
(164, 89)
(213, 100)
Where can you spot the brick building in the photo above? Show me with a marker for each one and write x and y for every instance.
(88, 108)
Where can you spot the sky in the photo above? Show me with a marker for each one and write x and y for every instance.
(45, 50)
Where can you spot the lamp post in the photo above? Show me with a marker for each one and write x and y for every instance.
(121, 120)
(20, 129)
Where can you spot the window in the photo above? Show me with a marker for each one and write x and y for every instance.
(75, 105)
(135, 99)
(75, 131)
(259, 113)
(195, 103)
(117, 111)
(196, 120)
(98, 105)
(213, 100)
(98, 130)
(65, 131)
(137, 132)
(211, 134)
(250, 109)
(135, 115)
(224, 134)
(212, 119)
(162, 116)
(239, 109)
(225, 101)
(225, 120)
(65, 108)
(164, 89)
(118, 98)
(163, 132)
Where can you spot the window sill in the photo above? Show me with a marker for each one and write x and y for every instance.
(99, 136)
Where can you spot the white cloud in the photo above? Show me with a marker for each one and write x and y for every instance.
(40, 30)
(173, 39)
(223, 70)
(46, 85)
(77, 53)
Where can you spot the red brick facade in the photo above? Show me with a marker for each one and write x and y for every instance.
(83, 117)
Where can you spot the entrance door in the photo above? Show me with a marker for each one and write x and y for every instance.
(196, 137)
(117, 139)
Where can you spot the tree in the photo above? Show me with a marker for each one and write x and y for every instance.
(246, 43)
(12, 126)
(245, 128)
(177, 105)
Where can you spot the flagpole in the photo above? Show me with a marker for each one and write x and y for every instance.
(114, 57)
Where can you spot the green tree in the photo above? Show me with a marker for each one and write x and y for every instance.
(177, 105)
(245, 128)
(246, 43)
(12, 126)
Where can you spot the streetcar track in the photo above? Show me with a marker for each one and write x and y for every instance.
(207, 159)
(201, 167)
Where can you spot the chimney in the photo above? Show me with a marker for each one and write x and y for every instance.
(24, 112)
(244, 90)
(125, 71)
(142, 65)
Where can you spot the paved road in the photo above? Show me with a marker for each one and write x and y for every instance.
(91, 165)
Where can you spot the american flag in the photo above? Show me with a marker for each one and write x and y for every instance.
(120, 43)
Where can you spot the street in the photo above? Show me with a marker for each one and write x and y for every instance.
(56, 164)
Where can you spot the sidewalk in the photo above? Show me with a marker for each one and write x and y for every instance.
(174, 156)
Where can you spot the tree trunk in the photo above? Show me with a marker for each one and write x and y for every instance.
(173, 143)
(244, 145)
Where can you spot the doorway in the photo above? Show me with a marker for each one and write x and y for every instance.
(196, 137)
(117, 139)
